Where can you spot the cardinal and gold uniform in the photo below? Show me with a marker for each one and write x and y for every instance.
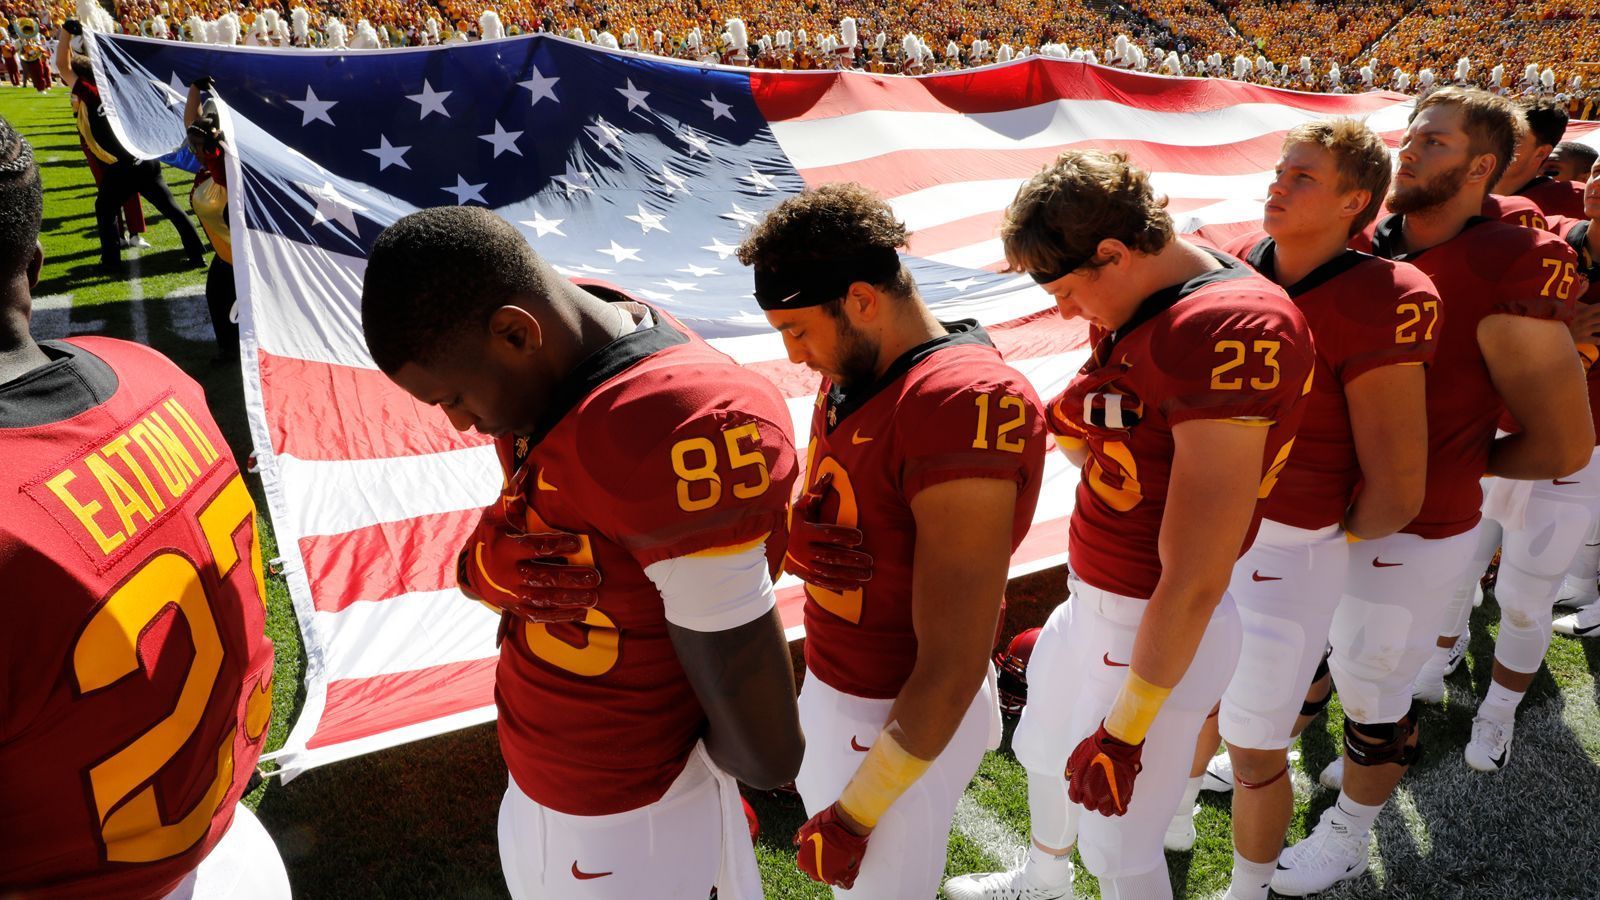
(656, 448)
(1227, 344)
(1385, 627)
(1365, 313)
(1555, 196)
(1513, 210)
(135, 673)
(948, 409)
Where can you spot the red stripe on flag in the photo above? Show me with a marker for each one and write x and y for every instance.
(386, 560)
(362, 707)
(785, 96)
(986, 226)
(324, 411)
(904, 171)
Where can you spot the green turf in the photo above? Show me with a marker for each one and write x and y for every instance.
(419, 820)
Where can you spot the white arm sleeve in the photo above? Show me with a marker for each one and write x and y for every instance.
(715, 593)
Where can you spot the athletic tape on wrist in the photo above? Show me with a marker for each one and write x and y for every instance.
(1134, 709)
(883, 776)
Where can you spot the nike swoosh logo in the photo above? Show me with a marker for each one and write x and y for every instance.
(1257, 576)
(858, 439)
(1500, 761)
(816, 841)
(790, 297)
(856, 746)
(1111, 778)
(1577, 630)
(1380, 564)
(585, 876)
(1106, 658)
(1559, 481)
(544, 485)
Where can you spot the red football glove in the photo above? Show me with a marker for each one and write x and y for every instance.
(828, 851)
(1100, 772)
(525, 574)
(821, 554)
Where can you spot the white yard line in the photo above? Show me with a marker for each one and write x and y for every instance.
(998, 841)
(141, 325)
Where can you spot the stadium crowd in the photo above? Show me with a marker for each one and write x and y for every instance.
(1513, 48)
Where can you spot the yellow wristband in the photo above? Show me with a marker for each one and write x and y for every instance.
(1134, 709)
(883, 776)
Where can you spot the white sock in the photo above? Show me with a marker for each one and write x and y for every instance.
(1048, 867)
(1355, 818)
(1191, 792)
(1250, 879)
(1500, 704)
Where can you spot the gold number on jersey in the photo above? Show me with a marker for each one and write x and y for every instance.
(108, 651)
(1559, 269)
(1406, 332)
(704, 471)
(1269, 358)
(844, 604)
(1532, 220)
(1001, 442)
(597, 653)
(1113, 458)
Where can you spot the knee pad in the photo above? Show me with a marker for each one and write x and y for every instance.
(1382, 743)
(1258, 785)
(1315, 707)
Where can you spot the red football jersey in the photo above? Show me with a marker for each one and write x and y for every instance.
(1576, 233)
(948, 409)
(1364, 313)
(135, 673)
(1226, 344)
(1515, 210)
(1490, 268)
(660, 447)
(1555, 196)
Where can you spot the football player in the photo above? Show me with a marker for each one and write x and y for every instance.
(1506, 295)
(631, 552)
(1570, 161)
(1182, 418)
(1357, 470)
(1546, 122)
(134, 664)
(926, 457)
(1579, 588)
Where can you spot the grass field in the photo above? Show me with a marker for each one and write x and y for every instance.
(419, 820)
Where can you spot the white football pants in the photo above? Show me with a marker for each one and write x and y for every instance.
(244, 865)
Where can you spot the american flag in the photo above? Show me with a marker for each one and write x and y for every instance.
(634, 170)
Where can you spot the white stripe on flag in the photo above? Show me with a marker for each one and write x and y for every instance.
(336, 497)
(411, 631)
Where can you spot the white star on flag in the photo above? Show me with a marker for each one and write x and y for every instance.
(596, 270)
(635, 97)
(502, 140)
(604, 133)
(648, 220)
(544, 226)
(672, 181)
(744, 217)
(573, 181)
(723, 251)
(333, 206)
(760, 180)
(430, 100)
(680, 285)
(388, 154)
(618, 253)
(719, 110)
(175, 90)
(541, 86)
(657, 296)
(961, 284)
(700, 271)
(697, 144)
(464, 191)
(312, 109)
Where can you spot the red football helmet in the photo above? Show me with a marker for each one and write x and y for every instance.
(1011, 665)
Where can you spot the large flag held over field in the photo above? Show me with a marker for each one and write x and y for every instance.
(634, 170)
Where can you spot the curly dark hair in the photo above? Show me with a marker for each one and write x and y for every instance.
(825, 224)
(21, 201)
(437, 275)
(1084, 197)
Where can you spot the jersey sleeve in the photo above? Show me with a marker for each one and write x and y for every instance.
(1400, 324)
(969, 422)
(714, 591)
(1540, 283)
(1233, 360)
(718, 480)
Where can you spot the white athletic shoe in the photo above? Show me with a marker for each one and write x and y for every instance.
(1328, 855)
(1219, 775)
(1578, 593)
(1458, 652)
(1429, 686)
(1181, 835)
(1017, 884)
(1332, 777)
(1583, 623)
(1490, 746)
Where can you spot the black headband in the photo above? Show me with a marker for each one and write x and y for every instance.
(1065, 269)
(814, 283)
